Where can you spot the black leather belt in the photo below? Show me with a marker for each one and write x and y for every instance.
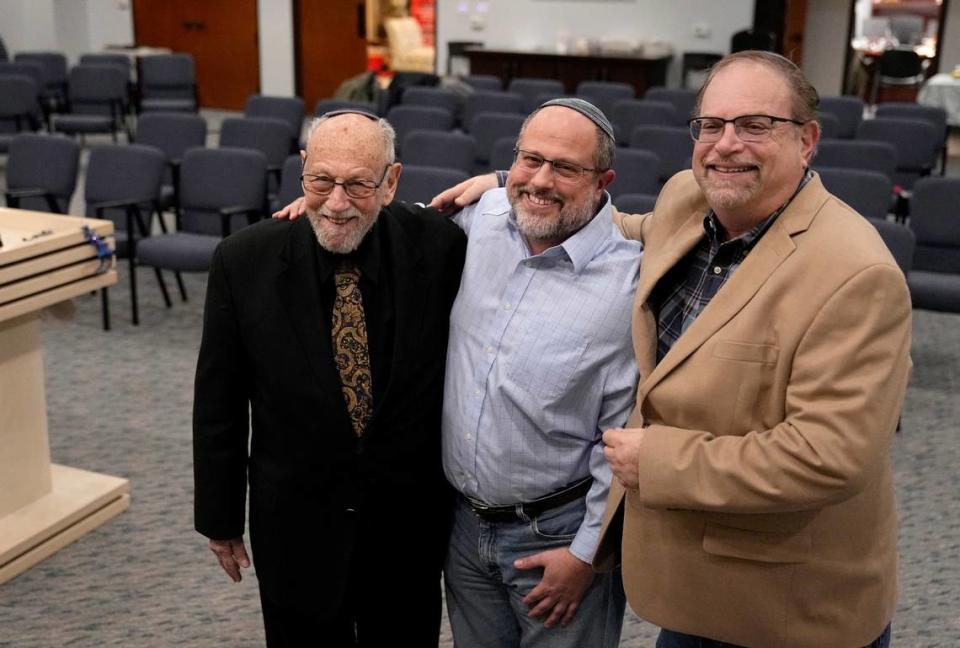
(530, 509)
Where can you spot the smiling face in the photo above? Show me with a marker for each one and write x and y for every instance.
(550, 209)
(347, 148)
(744, 182)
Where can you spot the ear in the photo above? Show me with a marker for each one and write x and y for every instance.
(809, 136)
(390, 182)
(303, 158)
(604, 178)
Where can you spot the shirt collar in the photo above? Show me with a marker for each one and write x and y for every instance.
(367, 256)
(583, 245)
(711, 224)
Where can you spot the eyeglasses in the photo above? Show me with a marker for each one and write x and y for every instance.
(531, 162)
(323, 185)
(749, 128)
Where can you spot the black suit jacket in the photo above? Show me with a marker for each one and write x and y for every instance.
(266, 354)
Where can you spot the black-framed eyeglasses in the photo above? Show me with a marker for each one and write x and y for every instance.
(531, 162)
(749, 128)
(355, 188)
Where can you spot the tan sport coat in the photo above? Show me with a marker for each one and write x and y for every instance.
(765, 514)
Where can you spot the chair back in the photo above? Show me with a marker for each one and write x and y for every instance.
(168, 82)
(31, 69)
(604, 94)
(46, 163)
(907, 28)
(97, 90)
(118, 172)
(484, 82)
(935, 115)
(324, 106)
(857, 154)
(530, 89)
(847, 110)
(18, 102)
(495, 102)
(54, 70)
(900, 65)
(917, 144)
(829, 125)
(684, 101)
(268, 135)
(673, 145)
(215, 179)
(868, 192)
(406, 119)
(290, 187)
(287, 109)
(447, 150)
(172, 133)
(899, 240)
(635, 203)
(935, 220)
(501, 154)
(99, 58)
(421, 183)
(630, 113)
(488, 128)
(432, 98)
(638, 171)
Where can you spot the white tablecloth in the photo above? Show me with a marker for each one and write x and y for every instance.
(942, 91)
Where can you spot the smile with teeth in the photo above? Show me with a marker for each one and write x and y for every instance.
(732, 169)
(340, 220)
(542, 201)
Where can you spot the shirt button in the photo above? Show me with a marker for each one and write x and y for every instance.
(469, 436)
(717, 269)
(489, 349)
(476, 392)
(506, 307)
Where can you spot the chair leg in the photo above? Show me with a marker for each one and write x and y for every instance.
(134, 306)
(105, 308)
(183, 289)
(163, 288)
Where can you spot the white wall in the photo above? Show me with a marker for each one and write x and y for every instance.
(824, 44)
(535, 24)
(28, 25)
(275, 33)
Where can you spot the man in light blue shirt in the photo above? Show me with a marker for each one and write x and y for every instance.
(539, 363)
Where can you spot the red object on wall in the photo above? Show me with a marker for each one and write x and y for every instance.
(425, 13)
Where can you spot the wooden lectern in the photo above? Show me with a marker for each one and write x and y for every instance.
(44, 259)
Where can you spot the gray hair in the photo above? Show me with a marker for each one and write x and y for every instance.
(389, 134)
(606, 147)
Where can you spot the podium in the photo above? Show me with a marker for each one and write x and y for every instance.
(44, 259)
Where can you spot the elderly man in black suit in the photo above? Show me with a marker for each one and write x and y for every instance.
(330, 332)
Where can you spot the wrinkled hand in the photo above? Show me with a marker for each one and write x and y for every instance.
(467, 192)
(622, 452)
(293, 211)
(565, 580)
(232, 555)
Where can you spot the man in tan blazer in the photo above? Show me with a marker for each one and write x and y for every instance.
(753, 503)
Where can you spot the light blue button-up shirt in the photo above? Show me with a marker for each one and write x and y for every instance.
(540, 361)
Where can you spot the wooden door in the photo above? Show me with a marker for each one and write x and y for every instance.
(220, 34)
(331, 45)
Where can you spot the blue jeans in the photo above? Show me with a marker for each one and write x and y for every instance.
(485, 591)
(671, 639)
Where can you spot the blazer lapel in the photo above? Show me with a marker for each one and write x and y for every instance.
(771, 251)
(401, 266)
(299, 290)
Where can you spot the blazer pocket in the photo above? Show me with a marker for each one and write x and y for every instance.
(756, 546)
(746, 352)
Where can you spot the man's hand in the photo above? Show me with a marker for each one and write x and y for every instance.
(565, 581)
(293, 211)
(622, 452)
(465, 193)
(232, 555)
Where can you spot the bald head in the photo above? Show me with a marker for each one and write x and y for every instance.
(369, 138)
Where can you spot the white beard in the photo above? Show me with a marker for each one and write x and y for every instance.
(340, 239)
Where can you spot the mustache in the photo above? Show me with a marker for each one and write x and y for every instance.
(349, 212)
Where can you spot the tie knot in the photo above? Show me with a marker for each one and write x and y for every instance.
(348, 272)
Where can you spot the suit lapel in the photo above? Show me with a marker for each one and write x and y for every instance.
(402, 266)
(299, 290)
(771, 251)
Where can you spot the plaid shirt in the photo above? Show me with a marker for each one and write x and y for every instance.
(686, 289)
